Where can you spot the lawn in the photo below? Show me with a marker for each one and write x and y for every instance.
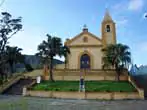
(91, 86)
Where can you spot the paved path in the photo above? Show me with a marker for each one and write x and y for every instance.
(34, 103)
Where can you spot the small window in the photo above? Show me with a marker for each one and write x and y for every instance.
(108, 28)
(85, 39)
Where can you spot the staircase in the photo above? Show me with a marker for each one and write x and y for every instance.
(16, 88)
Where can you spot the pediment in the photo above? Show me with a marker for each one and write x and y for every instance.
(84, 38)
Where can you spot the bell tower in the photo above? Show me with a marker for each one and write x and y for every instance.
(108, 30)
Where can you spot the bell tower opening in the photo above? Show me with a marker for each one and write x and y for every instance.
(108, 28)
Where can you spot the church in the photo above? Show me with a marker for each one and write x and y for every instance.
(86, 48)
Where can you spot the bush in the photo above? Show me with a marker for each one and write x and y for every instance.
(29, 67)
(72, 89)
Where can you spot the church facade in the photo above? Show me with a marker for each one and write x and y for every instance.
(86, 48)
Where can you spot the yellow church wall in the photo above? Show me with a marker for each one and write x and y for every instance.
(88, 43)
(94, 53)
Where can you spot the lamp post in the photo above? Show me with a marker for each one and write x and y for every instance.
(82, 82)
(85, 65)
(82, 77)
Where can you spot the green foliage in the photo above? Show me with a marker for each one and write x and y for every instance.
(48, 49)
(64, 52)
(14, 56)
(28, 67)
(8, 28)
(116, 57)
(91, 86)
(109, 86)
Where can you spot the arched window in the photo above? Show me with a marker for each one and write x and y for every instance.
(108, 28)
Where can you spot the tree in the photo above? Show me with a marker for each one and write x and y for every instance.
(116, 57)
(48, 50)
(13, 56)
(8, 28)
(64, 52)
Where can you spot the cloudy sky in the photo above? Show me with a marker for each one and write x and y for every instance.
(65, 19)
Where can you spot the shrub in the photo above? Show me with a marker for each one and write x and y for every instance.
(72, 89)
(95, 89)
(29, 67)
(57, 89)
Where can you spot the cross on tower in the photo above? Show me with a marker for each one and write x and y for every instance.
(85, 29)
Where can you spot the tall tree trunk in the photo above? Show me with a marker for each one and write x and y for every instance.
(117, 72)
(51, 69)
(65, 63)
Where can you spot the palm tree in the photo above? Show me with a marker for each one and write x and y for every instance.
(13, 56)
(116, 57)
(48, 50)
(64, 52)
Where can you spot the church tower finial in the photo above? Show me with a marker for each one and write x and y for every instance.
(107, 16)
(85, 29)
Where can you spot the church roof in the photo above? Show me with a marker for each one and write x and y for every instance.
(107, 17)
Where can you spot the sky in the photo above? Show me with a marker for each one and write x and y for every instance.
(65, 19)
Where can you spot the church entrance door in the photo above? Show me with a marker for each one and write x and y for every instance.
(85, 62)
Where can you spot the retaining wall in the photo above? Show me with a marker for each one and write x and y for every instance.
(87, 78)
(84, 95)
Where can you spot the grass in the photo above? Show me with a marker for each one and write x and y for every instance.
(91, 86)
